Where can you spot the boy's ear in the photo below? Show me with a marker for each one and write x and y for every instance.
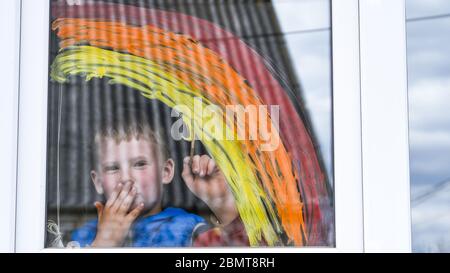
(168, 171)
(97, 183)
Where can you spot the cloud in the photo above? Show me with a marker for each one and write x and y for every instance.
(303, 14)
(429, 92)
(428, 55)
(419, 8)
(429, 101)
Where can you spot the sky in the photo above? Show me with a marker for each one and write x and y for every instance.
(311, 56)
(428, 54)
(428, 57)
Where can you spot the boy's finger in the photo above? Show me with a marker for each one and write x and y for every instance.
(128, 200)
(187, 160)
(114, 195)
(99, 206)
(186, 174)
(189, 177)
(122, 195)
(196, 164)
(203, 165)
(135, 212)
(211, 167)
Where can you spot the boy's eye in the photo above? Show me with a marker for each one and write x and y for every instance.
(111, 168)
(140, 163)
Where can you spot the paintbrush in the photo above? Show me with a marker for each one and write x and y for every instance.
(192, 151)
(192, 144)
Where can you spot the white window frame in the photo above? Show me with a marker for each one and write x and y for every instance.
(358, 70)
(9, 71)
(384, 119)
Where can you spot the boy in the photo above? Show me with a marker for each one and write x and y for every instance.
(131, 167)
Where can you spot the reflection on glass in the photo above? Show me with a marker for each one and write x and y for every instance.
(428, 26)
(182, 123)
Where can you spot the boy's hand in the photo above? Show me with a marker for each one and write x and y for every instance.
(114, 218)
(204, 178)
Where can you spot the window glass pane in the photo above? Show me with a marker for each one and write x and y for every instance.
(428, 26)
(190, 123)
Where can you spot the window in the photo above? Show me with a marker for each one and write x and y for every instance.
(322, 62)
(124, 75)
(428, 81)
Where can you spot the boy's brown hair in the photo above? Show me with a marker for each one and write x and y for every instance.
(128, 124)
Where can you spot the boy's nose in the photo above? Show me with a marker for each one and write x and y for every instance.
(126, 177)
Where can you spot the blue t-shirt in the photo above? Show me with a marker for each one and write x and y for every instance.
(172, 227)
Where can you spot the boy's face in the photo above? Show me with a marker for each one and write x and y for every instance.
(133, 161)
